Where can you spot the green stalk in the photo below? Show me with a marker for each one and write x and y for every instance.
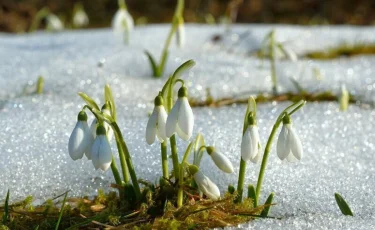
(37, 19)
(124, 167)
(273, 62)
(128, 159)
(40, 85)
(164, 159)
(180, 192)
(174, 152)
(122, 4)
(115, 172)
(241, 180)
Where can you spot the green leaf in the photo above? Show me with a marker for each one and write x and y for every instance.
(268, 205)
(252, 194)
(61, 211)
(344, 207)
(163, 60)
(182, 68)
(6, 209)
(152, 63)
(89, 101)
(103, 116)
(109, 97)
(40, 85)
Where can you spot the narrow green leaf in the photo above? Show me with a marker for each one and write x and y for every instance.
(61, 211)
(252, 194)
(152, 63)
(102, 116)
(89, 101)
(109, 97)
(182, 68)
(37, 227)
(163, 61)
(268, 204)
(6, 209)
(40, 85)
(344, 207)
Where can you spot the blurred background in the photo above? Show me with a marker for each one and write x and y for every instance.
(16, 15)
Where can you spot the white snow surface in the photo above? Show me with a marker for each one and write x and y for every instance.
(338, 146)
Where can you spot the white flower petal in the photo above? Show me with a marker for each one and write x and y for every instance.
(180, 35)
(101, 153)
(291, 158)
(185, 118)
(246, 145)
(162, 119)
(54, 23)
(254, 135)
(151, 127)
(170, 127)
(77, 140)
(257, 156)
(295, 144)
(283, 144)
(207, 186)
(222, 162)
(90, 141)
(93, 127)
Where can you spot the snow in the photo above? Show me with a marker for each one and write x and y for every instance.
(338, 147)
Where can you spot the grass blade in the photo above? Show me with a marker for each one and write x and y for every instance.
(61, 211)
(6, 209)
(344, 207)
(153, 64)
(268, 204)
(90, 102)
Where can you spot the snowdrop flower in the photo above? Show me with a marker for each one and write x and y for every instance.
(288, 144)
(101, 152)
(221, 161)
(54, 23)
(80, 18)
(181, 118)
(81, 138)
(122, 23)
(156, 122)
(180, 33)
(250, 142)
(205, 184)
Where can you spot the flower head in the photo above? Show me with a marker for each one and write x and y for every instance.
(205, 184)
(288, 144)
(180, 33)
(122, 22)
(94, 123)
(54, 23)
(181, 118)
(221, 161)
(156, 122)
(101, 152)
(81, 138)
(250, 142)
(80, 18)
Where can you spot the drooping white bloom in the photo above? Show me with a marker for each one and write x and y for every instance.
(54, 23)
(288, 144)
(80, 18)
(290, 54)
(180, 33)
(207, 186)
(221, 161)
(156, 123)
(181, 118)
(250, 144)
(101, 153)
(81, 138)
(122, 23)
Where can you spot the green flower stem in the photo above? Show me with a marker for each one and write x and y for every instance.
(164, 159)
(40, 85)
(174, 152)
(180, 192)
(122, 4)
(241, 179)
(115, 172)
(273, 62)
(124, 166)
(128, 159)
(44, 12)
(267, 150)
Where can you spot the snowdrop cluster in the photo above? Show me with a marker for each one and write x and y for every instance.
(93, 141)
